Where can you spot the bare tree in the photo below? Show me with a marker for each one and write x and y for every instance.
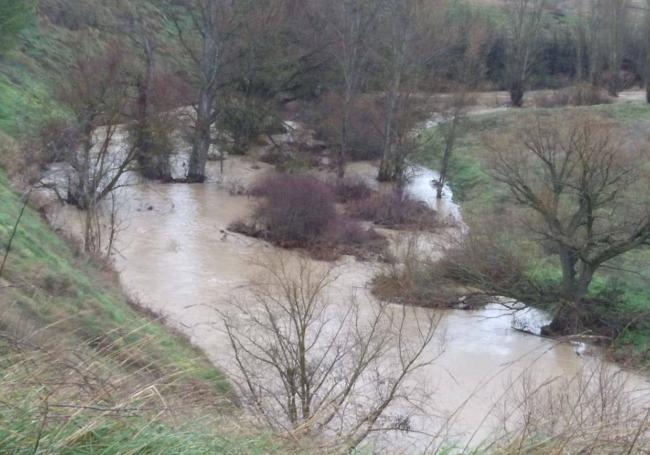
(604, 28)
(579, 32)
(207, 31)
(594, 27)
(583, 190)
(346, 26)
(451, 125)
(276, 60)
(454, 111)
(614, 21)
(97, 92)
(404, 34)
(646, 48)
(153, 110)
(312, 366)
(615, 12)
(594, 411)
(524, 26)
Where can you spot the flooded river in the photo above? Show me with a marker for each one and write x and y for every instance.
(175, 256)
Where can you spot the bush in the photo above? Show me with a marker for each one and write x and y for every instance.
(346, 236)
(296, 209)
(394, 210)
(582, 94)
(351, 189)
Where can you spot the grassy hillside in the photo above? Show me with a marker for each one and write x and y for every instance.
(82, 369)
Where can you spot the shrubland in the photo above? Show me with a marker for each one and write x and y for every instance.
(298, 211)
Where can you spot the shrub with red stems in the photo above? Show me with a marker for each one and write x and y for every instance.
(394, 210)
(298, 211)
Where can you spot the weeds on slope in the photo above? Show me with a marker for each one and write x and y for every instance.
(56, 398)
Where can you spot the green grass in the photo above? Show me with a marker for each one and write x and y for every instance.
(91, 433)
(87, 436)
(29, 76)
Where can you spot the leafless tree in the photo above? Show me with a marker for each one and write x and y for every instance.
(347, 27)
(584, 191)
(98, 93)
(646, 47)
(523, 30)
(156, 95)
(597, 410)
(603, 24)
(405, 35)
(207, 31)
(451, 124)
(453, 111)
(614, 21)
(310, 365)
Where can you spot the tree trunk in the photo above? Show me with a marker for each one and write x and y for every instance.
(517, 94)
(150, 165)
(570, 318)
(579, 55)
(646, 32)
(388, 168)
(201, 143)
(450, 141)
(386, 172)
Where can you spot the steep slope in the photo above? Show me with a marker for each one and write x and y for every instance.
(84, 371)
(82, 368)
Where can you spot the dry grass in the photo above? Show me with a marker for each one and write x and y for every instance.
(90, 399)
(596, 411)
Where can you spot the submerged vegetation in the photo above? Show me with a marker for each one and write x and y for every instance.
(96, 96)
(297, 211)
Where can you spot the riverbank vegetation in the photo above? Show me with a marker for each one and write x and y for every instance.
(298, 211)
(85, 370)
(554, 196)
(554, 153)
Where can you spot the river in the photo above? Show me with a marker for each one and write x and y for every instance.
(175, 256)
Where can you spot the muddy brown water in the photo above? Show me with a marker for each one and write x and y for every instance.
(175, 256)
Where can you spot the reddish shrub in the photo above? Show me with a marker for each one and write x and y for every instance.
(346, 236)
(394, 211)
(299, 211)
(351, 189)
(345, 231)
(295, 208)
